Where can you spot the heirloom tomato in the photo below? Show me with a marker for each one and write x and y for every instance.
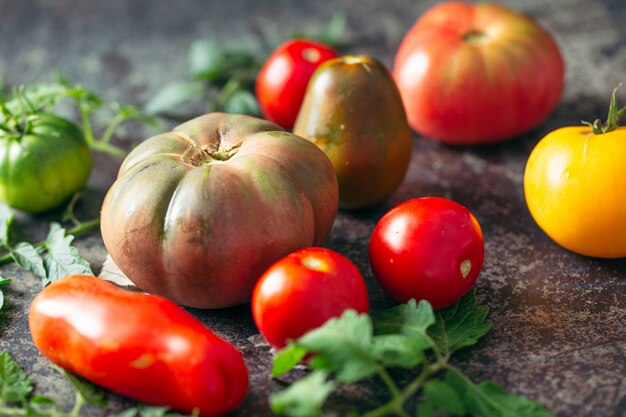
(302, 291)
(477, 73)
(574, 184)
(282, 82)
(427, 248)
(141, 346)
(44, 159)
(197, 214)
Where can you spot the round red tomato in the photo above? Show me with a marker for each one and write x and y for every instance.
(471, 74)
(427, 248)
(282, 82)
(303, 290)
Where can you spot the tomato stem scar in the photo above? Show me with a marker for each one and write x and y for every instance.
(466, 267)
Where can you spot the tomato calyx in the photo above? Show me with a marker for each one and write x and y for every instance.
(198, 155)
(612, 120)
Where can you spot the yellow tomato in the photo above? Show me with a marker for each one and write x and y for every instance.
(575, 187)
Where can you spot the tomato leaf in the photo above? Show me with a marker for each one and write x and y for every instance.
(488, 399)
(28, 257)
(15, 386)
(287, 359)
(334, 31)
(3, 281)
(62, 258)
(410, 319)
(460, 325)
(242, 102)
(441, 396)
(397, 350)
(6, 220)
(84, 388)
(303, 398)
(173, 95)
(206, 60)
(344, 346)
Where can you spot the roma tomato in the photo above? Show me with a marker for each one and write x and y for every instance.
(282, 81)
(197, 214)
(574, 184)
(473, 74)
(137, 345)
(427, 248)
(302, 291)
(44, 159)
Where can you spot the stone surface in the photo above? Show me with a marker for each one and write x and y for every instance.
(559, 332)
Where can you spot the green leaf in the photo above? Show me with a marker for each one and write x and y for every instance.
(303, 398)
(242, 102)
(397, 350)
(173, 95)
(85, 388)
(15, 386)
(62, 258)
(443, 397)
(425, 409)
(410, 319)
(344, 345)
(459, 325)
(335, 29)
(29, 258)
(488, 399)
(127, 112)
(6, 220)
(151, 411)
(42, 97)
(3, 281)
(287, 358)
(206, 59)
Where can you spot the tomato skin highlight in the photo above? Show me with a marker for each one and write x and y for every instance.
(427, 248)
(283, 79)
(476, 74)
(141, 346)
(301, 291)
(574, 186)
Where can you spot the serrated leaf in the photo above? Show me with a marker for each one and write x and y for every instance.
(287, 358)
(488, 399)
(397, 350)
(173, 95)
(15, 386)
(344, 345)
(410, 319)
(27, 256)
(443, 397)
(6, 220)
(460, 325)
(86, 389)
(62, 258)
(303, 398)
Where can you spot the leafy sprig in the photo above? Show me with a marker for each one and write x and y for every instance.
(613, 118)
(17, 399)
(356, 347)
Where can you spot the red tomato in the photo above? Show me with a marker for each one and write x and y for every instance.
(471, 74)
(282, 82)
(427, 248)
(302, 291)
(141, 346)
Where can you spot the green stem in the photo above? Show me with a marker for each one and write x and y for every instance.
(108, 133)
(9, 411)
(85, 112)
(109, 149)
(77, 405)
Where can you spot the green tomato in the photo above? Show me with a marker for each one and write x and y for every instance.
(43, 163)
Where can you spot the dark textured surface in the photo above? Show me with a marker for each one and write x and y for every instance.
(559, 332)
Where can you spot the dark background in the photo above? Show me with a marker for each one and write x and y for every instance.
(559, 333)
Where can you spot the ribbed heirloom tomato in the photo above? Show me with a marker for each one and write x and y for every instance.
(141, 346)
(303, 290)
(574, 185)
(471, 74)
(282, 82)
(427, 248)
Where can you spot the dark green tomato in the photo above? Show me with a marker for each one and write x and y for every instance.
(353, 112)
(44, 164)
(199, 213)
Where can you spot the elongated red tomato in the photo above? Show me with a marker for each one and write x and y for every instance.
(141, 346)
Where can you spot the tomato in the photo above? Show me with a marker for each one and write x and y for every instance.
(282, 81)
(352, 110)
(473, 74)
(302, 291)
(44, 159)
(197, 214)
(574, 185)
(137, 345)
(427, 248)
